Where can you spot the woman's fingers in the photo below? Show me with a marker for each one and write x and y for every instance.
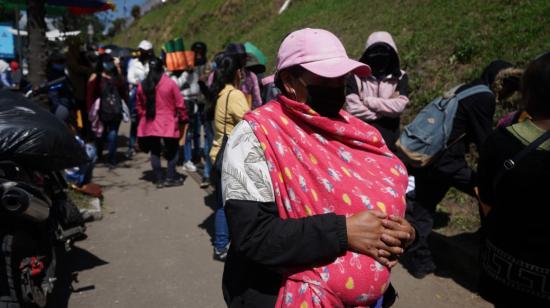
(390, 239)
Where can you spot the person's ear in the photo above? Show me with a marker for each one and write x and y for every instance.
(288, 85)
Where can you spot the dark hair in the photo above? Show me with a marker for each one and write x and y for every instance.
(238, 52)
(535, 86)
(99, 70)
(149, 86)
(225, 74)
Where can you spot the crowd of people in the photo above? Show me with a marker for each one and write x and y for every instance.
(319, 190)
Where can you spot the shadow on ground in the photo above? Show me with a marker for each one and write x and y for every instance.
(208, 223)
(456, 257)
(69, 265)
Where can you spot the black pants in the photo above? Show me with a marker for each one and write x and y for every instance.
(154, 145)
(431, 187)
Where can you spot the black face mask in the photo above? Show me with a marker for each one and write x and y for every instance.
(326, 101)
(379, 63)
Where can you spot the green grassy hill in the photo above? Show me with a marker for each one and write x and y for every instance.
(440, 42)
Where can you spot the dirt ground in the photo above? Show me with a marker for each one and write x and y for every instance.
(153, 249)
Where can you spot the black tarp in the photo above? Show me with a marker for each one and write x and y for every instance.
(33, 137)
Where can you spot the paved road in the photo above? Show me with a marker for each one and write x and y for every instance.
(152, 249)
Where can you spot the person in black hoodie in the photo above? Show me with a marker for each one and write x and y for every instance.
(473, 123)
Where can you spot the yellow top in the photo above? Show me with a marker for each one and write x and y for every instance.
(237, 106)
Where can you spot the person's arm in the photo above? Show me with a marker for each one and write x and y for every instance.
(354, 105)
(394, 105)
(132, 75)
(91, 91)
(486, 172)
(480, 112)
(258, 234)
(181, 108)
(238, 105)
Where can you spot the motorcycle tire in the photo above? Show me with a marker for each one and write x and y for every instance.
(16, 246)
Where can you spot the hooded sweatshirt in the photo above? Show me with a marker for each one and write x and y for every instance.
(374, 99)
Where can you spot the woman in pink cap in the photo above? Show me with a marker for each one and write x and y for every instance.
(314, 198)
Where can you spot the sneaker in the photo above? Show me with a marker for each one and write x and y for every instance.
(173, 182)
(159, 184)
(205, 182)
(221, 254)
(111, 167)
(129, 154)
(189, 166)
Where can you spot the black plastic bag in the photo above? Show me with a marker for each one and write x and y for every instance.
(33, 137)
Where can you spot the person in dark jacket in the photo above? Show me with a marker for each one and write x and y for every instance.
(515, 266)
(472, 124)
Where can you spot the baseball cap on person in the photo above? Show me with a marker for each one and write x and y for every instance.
(145, 45)
(319, 52)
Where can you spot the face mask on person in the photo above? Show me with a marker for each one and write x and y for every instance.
(108, 66)
(326, 101)
(379, 64)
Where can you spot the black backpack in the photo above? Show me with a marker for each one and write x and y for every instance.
(110, 108)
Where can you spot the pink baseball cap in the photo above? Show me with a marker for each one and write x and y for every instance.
(319, 52)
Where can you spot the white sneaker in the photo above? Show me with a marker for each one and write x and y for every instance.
(189, 167)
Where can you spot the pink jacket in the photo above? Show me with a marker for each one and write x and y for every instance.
(374, 98)
(170, 110)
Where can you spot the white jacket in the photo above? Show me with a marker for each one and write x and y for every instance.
(137, 71)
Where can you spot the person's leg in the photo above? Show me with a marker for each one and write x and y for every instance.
(171, 150)
(133, 122)
(430, 189)
(153, 145)
(208, 139)
(221, 232)
(188, 152)
(188, 147)
(197, 135)
(112, 138)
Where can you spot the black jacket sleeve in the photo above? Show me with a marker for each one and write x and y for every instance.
(403, 85)
(351, 85)
(260, 235)
(480, 111)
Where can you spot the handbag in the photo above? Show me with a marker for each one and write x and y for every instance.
(217, 166)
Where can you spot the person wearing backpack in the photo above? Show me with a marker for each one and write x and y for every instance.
(514, 174)
(380, 98)
(161, 110)
(108, 86)
(470, 121)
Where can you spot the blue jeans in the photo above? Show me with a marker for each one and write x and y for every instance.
(221, 230)
(110, 132)
(133, 118)
(208, 139)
